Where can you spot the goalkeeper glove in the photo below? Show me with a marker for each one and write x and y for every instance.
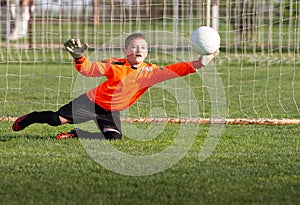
(75, 48)
(204, 60)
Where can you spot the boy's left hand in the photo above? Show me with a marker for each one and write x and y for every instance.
(205, 60)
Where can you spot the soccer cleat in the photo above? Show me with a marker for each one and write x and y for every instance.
(67, 135)
(16, 126)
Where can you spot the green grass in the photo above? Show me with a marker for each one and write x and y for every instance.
(250, 165)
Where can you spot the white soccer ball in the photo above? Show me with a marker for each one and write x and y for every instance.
(205, 40)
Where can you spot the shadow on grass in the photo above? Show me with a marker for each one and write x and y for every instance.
(10, 137)
(33, 132)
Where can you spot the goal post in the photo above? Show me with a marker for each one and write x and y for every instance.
(208, 12)
(215, 14)
(257, 69)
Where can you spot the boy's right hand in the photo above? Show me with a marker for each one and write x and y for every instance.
(75, 48)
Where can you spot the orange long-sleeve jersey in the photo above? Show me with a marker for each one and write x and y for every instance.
(125, 84)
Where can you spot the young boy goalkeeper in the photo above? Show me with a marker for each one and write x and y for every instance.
(127, 79)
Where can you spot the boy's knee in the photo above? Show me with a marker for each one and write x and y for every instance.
(63, 120)
(112, 135)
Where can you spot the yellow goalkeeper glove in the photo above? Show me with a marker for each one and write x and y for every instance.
(75, 48)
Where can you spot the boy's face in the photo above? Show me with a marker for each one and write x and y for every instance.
(136, 51)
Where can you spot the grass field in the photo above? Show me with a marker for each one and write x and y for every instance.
(250, 165)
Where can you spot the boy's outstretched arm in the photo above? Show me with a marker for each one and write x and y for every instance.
(75, 48)
(204, 60)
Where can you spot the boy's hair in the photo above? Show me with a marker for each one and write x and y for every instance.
(134, 36)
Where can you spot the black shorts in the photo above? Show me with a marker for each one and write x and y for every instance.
(82, 109)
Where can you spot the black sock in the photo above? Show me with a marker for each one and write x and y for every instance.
(49, 117)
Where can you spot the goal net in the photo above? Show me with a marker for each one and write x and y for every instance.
(253, 80)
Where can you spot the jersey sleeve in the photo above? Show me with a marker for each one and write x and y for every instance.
(89, 68)
(181, 69)
(174, 71)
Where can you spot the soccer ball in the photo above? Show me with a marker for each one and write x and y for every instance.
(205, 40)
